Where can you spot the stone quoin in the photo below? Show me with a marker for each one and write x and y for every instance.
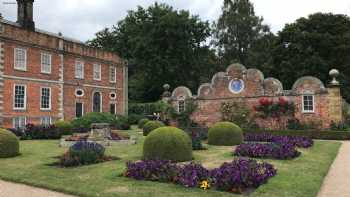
(314, 103)
(46, 77)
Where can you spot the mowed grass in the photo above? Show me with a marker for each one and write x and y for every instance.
(299, 177)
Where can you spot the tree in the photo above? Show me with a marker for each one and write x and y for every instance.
(237, 31)
(163, 45)
(313, 46)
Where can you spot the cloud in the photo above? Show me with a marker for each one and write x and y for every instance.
(81, 19)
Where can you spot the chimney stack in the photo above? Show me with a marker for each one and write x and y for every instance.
(25, 14)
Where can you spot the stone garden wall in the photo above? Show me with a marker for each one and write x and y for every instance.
(248, 86)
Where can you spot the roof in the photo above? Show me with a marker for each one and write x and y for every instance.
(43, 32)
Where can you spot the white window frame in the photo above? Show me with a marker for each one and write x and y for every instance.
(110, 74)
(313, 104)
(82, 108)
(14, 124)
(76, 74)
(182, 99)
(96, 68)
(41, 93)
(14, 96)
(16, 66)
(42, 122)
(49, 56)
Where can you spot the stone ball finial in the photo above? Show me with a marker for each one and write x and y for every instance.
(334, 73)
(166, 87)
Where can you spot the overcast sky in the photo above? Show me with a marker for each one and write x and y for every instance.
(81, 19)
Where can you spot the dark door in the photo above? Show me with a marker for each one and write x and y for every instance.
(78, 110)
(112, 108)
(96, 102)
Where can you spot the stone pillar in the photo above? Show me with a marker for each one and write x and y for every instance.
(335, 99)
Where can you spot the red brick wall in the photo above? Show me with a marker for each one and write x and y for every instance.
(210, 96)
(35, 43)
(32, 111)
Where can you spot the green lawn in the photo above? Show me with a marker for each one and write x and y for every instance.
(299, 177)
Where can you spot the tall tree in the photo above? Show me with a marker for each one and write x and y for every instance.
(313, 46)
(237, 31)
(163, 45)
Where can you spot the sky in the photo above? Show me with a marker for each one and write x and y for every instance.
(81, 19)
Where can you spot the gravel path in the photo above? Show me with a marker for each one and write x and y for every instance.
(8, 189)
(337, 181)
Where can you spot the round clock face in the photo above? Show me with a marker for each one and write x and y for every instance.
(236, 86)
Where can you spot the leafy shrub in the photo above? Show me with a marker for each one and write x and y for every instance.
(122, 123)
(9, 144)
(168, 143)
(64, 127)
(225, 134)
(196, 140)
(237, 112)
(41, 132)
(151, 170)
(267, 150)
(147, 108)
(134, 118)
(241, 174)
(142, 122)
(83, 153)
(191, 175)
(94, 117)
(150, 126)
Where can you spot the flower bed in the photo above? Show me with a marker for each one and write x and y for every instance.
(84, 153)
(236, 176)
(267, 150)
(299, 141)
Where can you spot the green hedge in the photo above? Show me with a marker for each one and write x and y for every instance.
(150, 126)
(9, 144)
(314, 134)
(146, 108)
(225, 134)
(168, 143)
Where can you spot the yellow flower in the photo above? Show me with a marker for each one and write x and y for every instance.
(205, 185)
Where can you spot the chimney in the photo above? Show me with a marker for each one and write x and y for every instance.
(25, 14)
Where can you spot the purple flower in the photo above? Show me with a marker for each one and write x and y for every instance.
(241, 174)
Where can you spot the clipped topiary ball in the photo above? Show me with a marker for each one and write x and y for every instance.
(150, 126)
(9, 144)
(225, 134)
(168, 143)
(142, 122)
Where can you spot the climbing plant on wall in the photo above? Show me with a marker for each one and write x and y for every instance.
(238, 113)
(268, 108)
(183, 119)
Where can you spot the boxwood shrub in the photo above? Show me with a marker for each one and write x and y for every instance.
(64, 127)
(9, 144)
(142, 122)
(167, 143)
(150, 126)
(225, 134)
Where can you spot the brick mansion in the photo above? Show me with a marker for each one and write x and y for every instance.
(46, 77)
